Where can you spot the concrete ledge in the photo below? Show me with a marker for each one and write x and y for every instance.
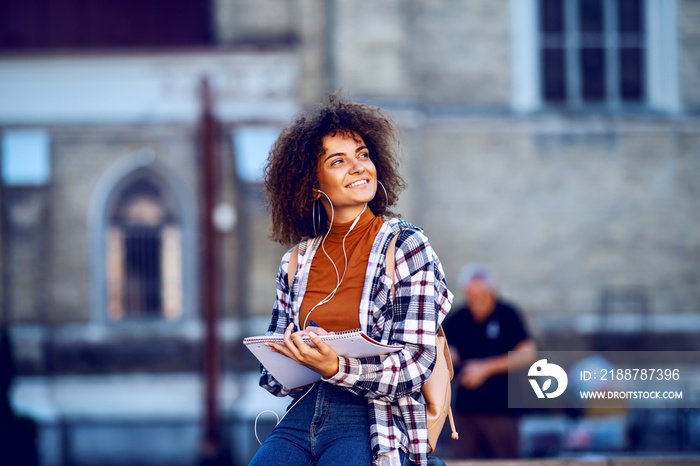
(657, 461)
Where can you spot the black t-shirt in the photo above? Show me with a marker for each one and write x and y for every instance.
(499, 333)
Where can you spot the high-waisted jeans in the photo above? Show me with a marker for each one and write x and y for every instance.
(328, 426)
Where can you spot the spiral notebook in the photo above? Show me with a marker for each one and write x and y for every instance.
(351, 343)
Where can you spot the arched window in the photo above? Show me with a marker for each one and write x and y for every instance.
(143, 252)
(143, 227)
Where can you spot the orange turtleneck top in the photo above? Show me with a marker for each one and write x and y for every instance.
(342, 311)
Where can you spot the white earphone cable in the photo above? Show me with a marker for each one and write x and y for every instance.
(339, 279)
(279, 419)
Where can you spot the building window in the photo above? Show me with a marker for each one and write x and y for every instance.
(143, 255)
(610, 55)
(592, 52)
(26, 158)
(251, 145)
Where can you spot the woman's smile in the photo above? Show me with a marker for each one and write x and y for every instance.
(358, 184)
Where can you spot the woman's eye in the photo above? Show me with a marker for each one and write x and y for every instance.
(364, 155)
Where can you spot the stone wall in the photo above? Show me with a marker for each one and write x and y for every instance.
(689, 56)
(460, 53)
(563, 209)
(301, 24)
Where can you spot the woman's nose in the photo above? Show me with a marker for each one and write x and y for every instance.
(358, 166)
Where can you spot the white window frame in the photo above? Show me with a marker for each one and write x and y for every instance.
(661, 63)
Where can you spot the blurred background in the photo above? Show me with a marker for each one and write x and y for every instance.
(557, 141)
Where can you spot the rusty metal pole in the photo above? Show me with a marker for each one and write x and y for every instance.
(210, 446)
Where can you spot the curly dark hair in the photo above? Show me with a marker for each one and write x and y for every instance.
(290, 173)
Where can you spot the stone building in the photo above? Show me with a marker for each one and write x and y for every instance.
(557, 141)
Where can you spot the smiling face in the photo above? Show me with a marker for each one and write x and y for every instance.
(347, 176)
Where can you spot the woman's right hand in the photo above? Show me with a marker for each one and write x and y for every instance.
(320, 358)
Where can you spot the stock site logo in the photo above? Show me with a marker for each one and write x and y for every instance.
(542, 369)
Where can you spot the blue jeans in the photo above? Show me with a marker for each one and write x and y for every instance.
(327, 427)
(432, 460)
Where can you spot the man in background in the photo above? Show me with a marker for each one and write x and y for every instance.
(480, 334)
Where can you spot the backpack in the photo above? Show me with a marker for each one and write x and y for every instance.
(437, 390)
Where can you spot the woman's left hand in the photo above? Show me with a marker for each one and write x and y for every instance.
(321, 359)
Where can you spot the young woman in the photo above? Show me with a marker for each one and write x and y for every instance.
(330, 179)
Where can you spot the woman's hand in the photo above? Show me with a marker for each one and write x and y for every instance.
(316, 330)
(321, 359)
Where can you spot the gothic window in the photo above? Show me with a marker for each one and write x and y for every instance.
(143, 255)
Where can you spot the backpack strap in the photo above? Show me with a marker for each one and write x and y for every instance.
(293, 265)
(391, 262)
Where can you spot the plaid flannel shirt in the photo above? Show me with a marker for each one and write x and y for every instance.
(392, 383)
